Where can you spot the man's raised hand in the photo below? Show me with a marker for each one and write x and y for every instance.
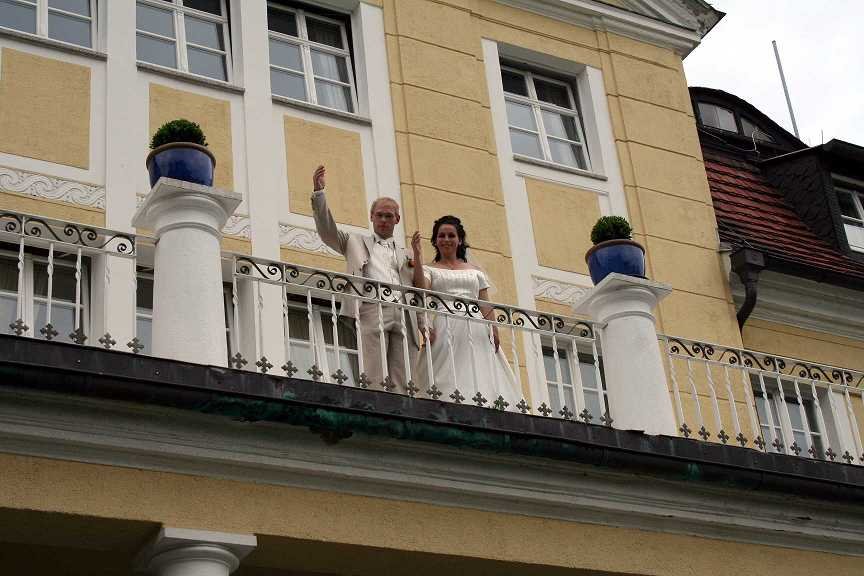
(319, 178)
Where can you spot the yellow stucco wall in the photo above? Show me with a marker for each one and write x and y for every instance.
(44, 109)
(562, 218)
(308, 144)
(214, 116)
(52, 209)
(331, 518)
(442, 117)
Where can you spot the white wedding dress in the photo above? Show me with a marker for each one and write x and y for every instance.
(463, 356)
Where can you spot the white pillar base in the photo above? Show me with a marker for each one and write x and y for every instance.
(184, 552)
(632, 361)
(188, 309)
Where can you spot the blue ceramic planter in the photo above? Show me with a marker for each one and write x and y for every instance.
(181, 161)
(621, 256)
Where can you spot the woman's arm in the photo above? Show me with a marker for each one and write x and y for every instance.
(489, 314)
(420, 280)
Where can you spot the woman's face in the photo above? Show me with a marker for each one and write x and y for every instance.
(447, 240)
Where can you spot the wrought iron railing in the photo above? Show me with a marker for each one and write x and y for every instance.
(45, 276)
(765, 401)
(541, 352)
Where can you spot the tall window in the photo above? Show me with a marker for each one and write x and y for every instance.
(188, 35)
(562, 388)
(65, 20)
(144, 311)
(25, 294)
(788, 422)
(310, 59)
(544, 120)
(312, 342)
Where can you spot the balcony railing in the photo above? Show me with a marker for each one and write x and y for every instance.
(767, 402)
(320, 339)
(56, 280)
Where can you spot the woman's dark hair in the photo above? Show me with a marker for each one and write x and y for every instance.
(462, 250)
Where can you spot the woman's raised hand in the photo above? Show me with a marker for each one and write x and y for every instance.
(319, 178)
(417, 247)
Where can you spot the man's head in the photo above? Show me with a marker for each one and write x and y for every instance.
(384, 215)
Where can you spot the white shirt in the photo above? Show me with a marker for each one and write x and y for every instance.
(383, 262)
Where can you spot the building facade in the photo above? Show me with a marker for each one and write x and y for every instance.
(528, 120)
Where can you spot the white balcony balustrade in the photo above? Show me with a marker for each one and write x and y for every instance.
(771, 403)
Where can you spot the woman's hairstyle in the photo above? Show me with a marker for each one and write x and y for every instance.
(462, 250)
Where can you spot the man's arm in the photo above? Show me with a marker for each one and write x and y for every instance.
(324, 223)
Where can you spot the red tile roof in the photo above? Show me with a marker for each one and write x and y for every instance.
(750, 212)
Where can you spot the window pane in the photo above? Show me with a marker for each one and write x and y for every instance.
(324, 32)
(554, 401)
(748, 128)
(8, 276)
(18, 16)
(330, 66)
(81, 7)
(560, 125)
(211, 6)
(847, 204)
(514, 83)
(69, 29)
(204, 33)
(717, 117)
(345, 328)
(144, 294)
(8, 312)
(156, 51)
(566, 153)
(298, 325)
(206, 63)
(333, 95)
(282, 22)
(155, 20)
(552, 93)
(592, 403)
(62, 318)
(287, 84)
(285, 55)
(63, 282)
(521, 115)
(524, 143)
(144, 332)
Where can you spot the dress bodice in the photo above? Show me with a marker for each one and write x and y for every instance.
(460, 283)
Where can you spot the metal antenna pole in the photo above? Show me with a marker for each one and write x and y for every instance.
(785, 89)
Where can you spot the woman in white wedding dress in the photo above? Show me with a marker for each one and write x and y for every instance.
(463, 354)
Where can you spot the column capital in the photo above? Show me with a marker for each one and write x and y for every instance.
(222, 551)
(179, 204)
(619, 295)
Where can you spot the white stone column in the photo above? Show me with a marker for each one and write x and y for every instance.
(188, 310)
(632, 361)
(184, 552)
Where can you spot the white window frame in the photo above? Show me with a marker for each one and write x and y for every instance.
(782, 406)
(577, 383)
(857, 200)
(853, 227)
(538, 106)
(141, 313)
(306, 47)
(42, 10)
(30, 298)
(180, 43)
(318, 310)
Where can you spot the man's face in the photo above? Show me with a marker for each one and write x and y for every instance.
(384, 217)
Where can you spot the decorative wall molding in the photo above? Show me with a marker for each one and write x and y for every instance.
(51, 187)
(238, 225)
(303, 239)
(557, 291)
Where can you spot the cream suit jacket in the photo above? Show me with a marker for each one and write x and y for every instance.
(356, 248)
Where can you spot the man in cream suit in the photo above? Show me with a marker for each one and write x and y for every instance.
(376, 257)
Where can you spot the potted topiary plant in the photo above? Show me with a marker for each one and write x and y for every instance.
(179, 150)
(613, 250)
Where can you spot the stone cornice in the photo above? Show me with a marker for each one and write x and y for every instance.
(681, 35)
(51, 187)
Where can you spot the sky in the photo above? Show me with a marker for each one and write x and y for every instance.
(822, 50)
